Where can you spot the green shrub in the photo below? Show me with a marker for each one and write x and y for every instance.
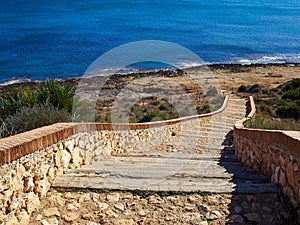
(265, 109)
(28, 118)
(147, 118)
(155, 102)
(162, 107)
(255, 88)
(204, 109)
(216, 102)
(212, 91)
(274, 90)
(60, 96)
(257, 123)
(292, 94)
(288, 112)
(292, 84)
(3, 128)
(83, 111)
(242, 88)
(10, 102)
(47, 93)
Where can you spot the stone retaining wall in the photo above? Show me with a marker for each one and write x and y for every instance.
(275, 153)
(31, 160)
(26, 180)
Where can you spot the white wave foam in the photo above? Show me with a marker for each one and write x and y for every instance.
(15, 81)
(186, 65)
(268, 59)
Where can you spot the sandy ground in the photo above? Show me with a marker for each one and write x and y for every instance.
(269, 76)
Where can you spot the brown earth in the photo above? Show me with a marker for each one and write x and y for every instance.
(231, 77)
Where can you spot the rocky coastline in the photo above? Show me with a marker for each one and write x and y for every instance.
(215, 68)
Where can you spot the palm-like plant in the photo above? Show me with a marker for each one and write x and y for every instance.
(27, 108)
(10, 102)
(60, 96)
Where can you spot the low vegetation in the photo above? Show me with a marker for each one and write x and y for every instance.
(28, 107)
(158, 109)
(277, 108)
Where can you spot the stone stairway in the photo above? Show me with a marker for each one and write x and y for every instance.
(202, 160)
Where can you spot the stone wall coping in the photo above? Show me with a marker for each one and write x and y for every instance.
(136, 126)
(17, 146)
(240, 123)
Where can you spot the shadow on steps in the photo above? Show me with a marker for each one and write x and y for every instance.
(255, 199)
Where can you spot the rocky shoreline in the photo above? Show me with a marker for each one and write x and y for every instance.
(221, 68)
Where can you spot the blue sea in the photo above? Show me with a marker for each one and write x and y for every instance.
(61, 38)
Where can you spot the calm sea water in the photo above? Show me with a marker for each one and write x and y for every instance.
(61, 38)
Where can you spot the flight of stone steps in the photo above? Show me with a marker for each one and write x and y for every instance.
(203, 160)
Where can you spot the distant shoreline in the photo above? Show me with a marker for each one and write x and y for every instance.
(233, 67)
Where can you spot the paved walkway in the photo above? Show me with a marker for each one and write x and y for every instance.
(203, 160)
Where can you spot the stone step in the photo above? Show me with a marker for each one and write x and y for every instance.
(235, 107)
(194, 166)
(184, 174)
(236, 110)
(217, 127)
(229, 115)
(216, 146)
(236, 104)
(146, 156)
(207, 128)
(221, 123)
(227, 151)
(238, 114)
(228, 121)
(199, 136)
(224, 122)
(236, 100)
(236, 118)
(222, 155)
(214, 185)
(204, 132)
(192, 146)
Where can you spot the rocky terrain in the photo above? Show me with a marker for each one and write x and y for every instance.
(126, 208)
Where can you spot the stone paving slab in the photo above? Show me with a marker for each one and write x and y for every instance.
(206, 185)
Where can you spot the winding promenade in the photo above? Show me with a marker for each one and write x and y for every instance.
(198, 160)
(193, 178)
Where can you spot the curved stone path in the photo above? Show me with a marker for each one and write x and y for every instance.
(237, 194)
(202, 160)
